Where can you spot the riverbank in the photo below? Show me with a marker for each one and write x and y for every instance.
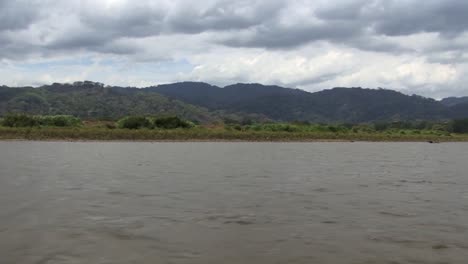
(213, 134)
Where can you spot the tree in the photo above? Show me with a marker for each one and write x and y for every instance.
(20, 120)
(134, 122)
(171, 122)
(460, 126)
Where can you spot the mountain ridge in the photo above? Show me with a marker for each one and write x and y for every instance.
(336, 104)
(207, 103)
(452, 101)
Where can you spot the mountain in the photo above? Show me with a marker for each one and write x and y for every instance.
(363, 105)
(457, 106)
(452, 101)
(459, 111)
(214, 97)
(207, 103)
(335, 105)
(90, 100)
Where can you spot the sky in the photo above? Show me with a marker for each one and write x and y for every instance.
(413, 46)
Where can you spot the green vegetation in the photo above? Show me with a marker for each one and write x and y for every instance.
(242, 103)
(20, 120)
(460, 126)
(134, 122)
(171, 122)
(94, 101)
(20, 126)
(166, 122)
(23, 120)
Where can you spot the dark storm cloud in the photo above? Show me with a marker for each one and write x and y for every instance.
(271, 24)
(224, 15)
(18, 14)
(279, 36)
(359, 23)
(131, 19)
(399, 18)
(395, 18)
(98, 28)
(93, 42)
(346, 10)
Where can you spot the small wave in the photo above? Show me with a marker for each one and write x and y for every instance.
(396, 214)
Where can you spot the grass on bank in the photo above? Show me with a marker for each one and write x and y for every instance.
(174, 128)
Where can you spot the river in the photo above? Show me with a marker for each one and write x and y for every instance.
(143, 202)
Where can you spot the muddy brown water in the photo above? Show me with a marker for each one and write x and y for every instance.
(123, 202)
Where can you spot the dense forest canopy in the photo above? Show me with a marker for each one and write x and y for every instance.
(205, 103)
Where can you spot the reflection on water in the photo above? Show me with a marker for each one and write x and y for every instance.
(233, 203)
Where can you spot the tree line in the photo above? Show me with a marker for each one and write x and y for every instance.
(175, 122)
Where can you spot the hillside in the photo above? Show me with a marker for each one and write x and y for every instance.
(206, 103)
(452, 101)
(335, 105)
(459, 111)
(91, 100)
(214, 97)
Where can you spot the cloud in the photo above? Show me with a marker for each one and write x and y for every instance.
(221, 15)
(396, 18)
(273, 24)
(297, 43)
(367, 25)
(16, 15)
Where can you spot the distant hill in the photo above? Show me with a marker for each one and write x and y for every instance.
(459, 111)
(207, 103)
(220, 98)
(335, 105)
(91, 100)
(452, 101)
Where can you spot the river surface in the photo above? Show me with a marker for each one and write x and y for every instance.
(120, 203)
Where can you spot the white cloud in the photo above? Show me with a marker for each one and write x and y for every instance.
(312, 45)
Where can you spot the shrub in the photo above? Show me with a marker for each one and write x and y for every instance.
(134, 122)
(23, 120)
(59, 121)
(171, 122)
(275, 127)
(460, 126)
(381, 126)
(110, 126)
(332, 129)
(301, 123)
(20, 120)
